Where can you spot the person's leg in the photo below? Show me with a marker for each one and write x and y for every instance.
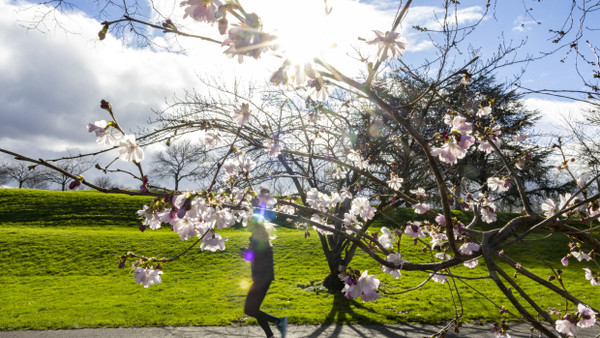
(256, 295)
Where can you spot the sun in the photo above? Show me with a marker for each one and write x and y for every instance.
(305, 32)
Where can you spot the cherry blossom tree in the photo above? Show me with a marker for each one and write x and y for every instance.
(344, 176)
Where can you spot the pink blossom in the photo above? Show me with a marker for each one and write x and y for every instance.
(286, 209)
(520, 137)
(438, 239)
(414, 230)
(420, 208)
(565, 326)
(396, 259)
(580, 255)
(440, 219)
(103, 134)
(339, 174)
(350, 219)
(212, 138)
(273, 149)
(565, 261)
(485, 146)
(213, 243)
(389, 44)
(460, 124)
(241, 115)
(184, 227)
(588, 317)
(201, 10)
(466, 141)
(266, 198)
(442, 255)
(395, 182)
(247, 39)
(366, 286)
(362, 207)
(152, 218)
(469, 248)
(487, 214)
(245, 162)
(147, 276)
(497, 184)
(484, 111)
(438, 278)
(420, 193)
(450, 152)
(472, 263)
(386, 239)
(549, 207)
(589, 275)
(322, 230)
(582, 180)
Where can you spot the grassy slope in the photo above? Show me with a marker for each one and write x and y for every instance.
(59, 254)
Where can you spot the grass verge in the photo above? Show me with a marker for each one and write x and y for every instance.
(65, 276)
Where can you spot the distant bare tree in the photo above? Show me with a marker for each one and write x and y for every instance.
(72, 165)
(4, 178)
(103, 182)
(25, 175)
(181, 160)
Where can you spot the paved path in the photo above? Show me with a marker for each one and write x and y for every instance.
(294, 331)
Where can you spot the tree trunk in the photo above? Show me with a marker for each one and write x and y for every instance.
(332, 282)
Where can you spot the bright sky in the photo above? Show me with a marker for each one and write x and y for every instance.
(54, 80)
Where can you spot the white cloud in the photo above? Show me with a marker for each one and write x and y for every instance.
(522, 25)
(53, 81)
(554, 113)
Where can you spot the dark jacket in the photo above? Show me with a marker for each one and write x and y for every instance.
(262, 264)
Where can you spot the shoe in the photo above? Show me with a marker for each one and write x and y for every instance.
(282, 326)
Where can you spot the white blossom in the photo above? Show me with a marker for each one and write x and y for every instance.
(241, 115)
(129, 150)
(395, 182)
(147, 276)
(386, 239)
(565, 326)
(390, 44)
(213, 242)
(588, 317)
(396, 259)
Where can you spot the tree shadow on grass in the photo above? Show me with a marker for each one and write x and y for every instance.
(342, 313)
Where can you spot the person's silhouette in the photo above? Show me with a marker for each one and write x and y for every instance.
(260, 254)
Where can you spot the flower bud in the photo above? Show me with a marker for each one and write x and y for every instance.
(105, 105)
(74, 184)
(551, 278)
(102, 32)
(223, 24)
(122, 264)
(142, 227)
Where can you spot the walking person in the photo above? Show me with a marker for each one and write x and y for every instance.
(260, 254)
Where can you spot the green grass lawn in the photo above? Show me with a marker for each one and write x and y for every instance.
(59, 254)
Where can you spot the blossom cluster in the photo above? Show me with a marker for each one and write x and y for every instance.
(129, 150)
(569, 323)
(359, 285)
